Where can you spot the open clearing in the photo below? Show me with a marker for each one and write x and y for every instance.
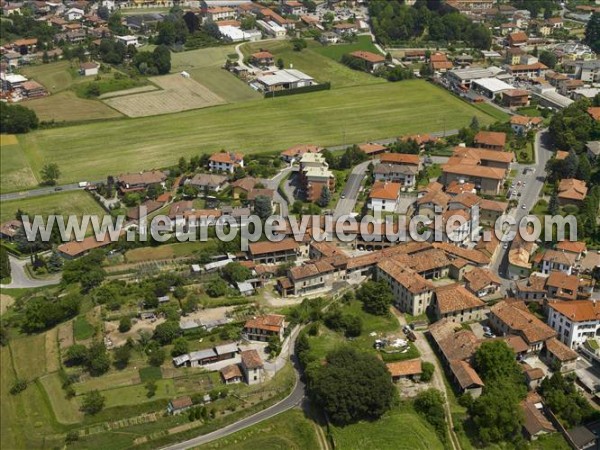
(359, 114)
(16, 172)
(177, 94)
(67, 107)
(64, 203)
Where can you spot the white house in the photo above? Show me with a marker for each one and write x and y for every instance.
(252, 366)
(74, 14)
(384, 196)
(557, 260)
(575, 321)
(404, 174)
(89, 69)
(128, 40)
(225, 161)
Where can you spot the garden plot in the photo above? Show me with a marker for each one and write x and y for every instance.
(178, 93)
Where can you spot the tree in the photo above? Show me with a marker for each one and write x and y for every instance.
(156, 357)
(474, 124)
(427, 371)
(298, 44)
(162, 59)
(352, 386)
(325, 197)
(430, 405)
(16, 119)
(262, 207)
(376, 297)
(235, 272)
(125, 324)
(548, 58)
(4, 264)
(553, 203)
(180, 347)
(584, 168)
(55, 262)
(76, 354)
(151, 388)
(97, 360)
(216, 288)
(93, 402)
(122, 355)
(103, 12)
(592, 32)
(564, 399)
(50, 173)
(166, 332)
(280, 63)
(495, 360)
(192, 21)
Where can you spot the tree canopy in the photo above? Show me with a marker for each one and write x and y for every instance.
(17, 119)
(376, 297)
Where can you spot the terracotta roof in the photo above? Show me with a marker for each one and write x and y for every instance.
(309, 270)
(572, 189)
(560, 155)
(594, 111)
(534, 420)
(474, 256)
(455, 297)
(269, 322)
(75, 248)
(231, 371)
(567, 285)
(301, 149)
(439, 198)
(27, 42)
(527, 67)
(181, 402)
(577, 310)
(406, 277)
(150, 206)
(493, 138)
(467, 199)
(479, 278)
(327, 248)
(572, 246)
(385, 190)
(560, 350)
(261, 248)
(11, 228)
(400, 158)
(405, 368)
(208, 179)
(269, 193)
(516, 93)
(480, 155)
(246, 183)
(372, 147)
(227, 157)
(143, 178)
(419, 138)
(427, 260)
(179, 208)
(518, 319)
(438, 57)
(465, 374)
(251, 359)
(515, 342)
(518, 37)
(493, 205)
(437, 65)
(368, 56)
(558, 257)
(455, 188)
(262, 55)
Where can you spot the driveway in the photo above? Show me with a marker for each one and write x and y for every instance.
(349, 195)
(273, 183)
(20, 279)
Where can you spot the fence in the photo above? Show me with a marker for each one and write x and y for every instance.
(300, 90)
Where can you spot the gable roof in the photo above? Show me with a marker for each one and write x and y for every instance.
(493, 138)
(479, 278)
(465, 374)
(405, 368)
(400, 158)
(577, 310)
(268, 322)
(455, 297)
(230, 372)
(560, 350)
(406, 277)
(227, 157)
(518, 319)
(572, 246)
(368, 56)
(385, 190)
(260, 248)
(251, 359)
(572, 189)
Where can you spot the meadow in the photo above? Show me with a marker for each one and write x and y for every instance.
(339, 116)
(65, 203)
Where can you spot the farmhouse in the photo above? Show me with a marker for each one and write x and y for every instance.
(405, 369)
(440, 63)
(132, 182)
(8, 230)
(262, 328)
(33, 89)
(231, 374)
(372, 148)
(261, 59)
(179, 405)
(243, 186)
(373, 61)
(515, 98)
(283, 79)
(457, 304)
(225, 161)
(412, 292)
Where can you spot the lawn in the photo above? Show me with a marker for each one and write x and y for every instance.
(66, 410)
(491, 110)
(398, 429)
(65, 203)
(82, 329)
(526, 155)
(66, 106)
(360, 114)
(16, 172)
(136, 394)
(336, 52)
(168, 251)
(55, 77)
(289, 430)
(316, 62)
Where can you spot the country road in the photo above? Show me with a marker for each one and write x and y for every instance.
(20, 279)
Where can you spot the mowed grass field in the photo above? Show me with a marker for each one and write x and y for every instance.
(16, 171)
(318, 61)
(289, 430)
(204, 66)
(350, 115)
(65, 203)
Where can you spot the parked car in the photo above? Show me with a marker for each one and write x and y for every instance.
(489, 335)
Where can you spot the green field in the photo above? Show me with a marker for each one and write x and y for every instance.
(317, 61)
(55, 77)
(16, 172)
(359, 114)
(204, 65)
(289, 430)
(82, 329)
(65, 203)
(336, 52)
(66, 106)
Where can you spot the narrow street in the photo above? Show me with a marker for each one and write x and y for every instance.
(437, 381)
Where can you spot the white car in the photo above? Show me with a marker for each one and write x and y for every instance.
(523, 207)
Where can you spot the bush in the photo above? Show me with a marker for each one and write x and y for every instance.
(428, 369)
(18, 386)
(125, 324)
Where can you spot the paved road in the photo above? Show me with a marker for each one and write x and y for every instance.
(40, 191)
(20, 279)
(349, 195)
(534, 182)
(273, 183)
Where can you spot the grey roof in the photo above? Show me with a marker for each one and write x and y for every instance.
(226, 348)
(384, 169)
(284, 76)
(189, 324)
(594, 147)
(581, 436)
(208, 179)
(179, 360)
(244, 286)
(202, 354)
(210, 324)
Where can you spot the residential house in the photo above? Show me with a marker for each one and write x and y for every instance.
(217, 13)
(575, 321)
(515, 98)
(231, 374)
(593, 150)
(225, 161)
(484, 168)
(179, 405)
(536, 70)
(556, 353)
(412, 293)
(490, 211)
(293, 7)
(517, 39)
(262, 59)
(295, 152)
(577, 248)
(372, 148)
(33, 89)
(561, 286)
(75, 249)
(406, 175)
(372, 61)
(491, 140)
(268, 193)
(252, 366)
(589, 71)
(513, 317)
(535, 422)
(532, 288)
(438, 62)
(551, 260)
(316, 275)
(384, 196)
(594, 112)
(8, 230)
(74, 14)
(571, 190)
(243, 186)
(457, 304)
(523, 124)
(135, 182)
(273, 252)
(519, 254)
(208, 182)
(400, 158)
(89, 69)
(314, 175)
(410, 368)
(482, 282)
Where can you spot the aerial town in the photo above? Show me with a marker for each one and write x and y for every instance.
(312, 224)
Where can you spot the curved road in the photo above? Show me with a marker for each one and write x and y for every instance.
(292, 400)
(20, 279)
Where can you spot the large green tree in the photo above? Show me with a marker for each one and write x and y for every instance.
(351, 386)
(16, 119)
(592, 32)
(376, 297)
